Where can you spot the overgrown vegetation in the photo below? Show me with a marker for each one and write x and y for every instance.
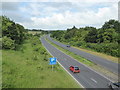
(84, 61)
(104, 39)
(25, 62)
(29, 67)
(79, 58)
(12, 34)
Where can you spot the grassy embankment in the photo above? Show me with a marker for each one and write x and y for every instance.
(91, 51)
(34, 32)
(105, 56)
(92, 65)
(28, 68)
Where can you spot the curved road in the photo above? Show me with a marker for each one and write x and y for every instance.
(87, 77)
(113, 67)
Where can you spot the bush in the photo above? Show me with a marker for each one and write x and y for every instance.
(8, 43)
(35, 41)
(108, 48)
(81, 43)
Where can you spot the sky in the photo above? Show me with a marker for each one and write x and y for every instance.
(60, 14)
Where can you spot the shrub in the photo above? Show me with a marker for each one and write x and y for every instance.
(108, 48)
(8, 43)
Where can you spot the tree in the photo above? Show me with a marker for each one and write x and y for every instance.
(89, 28)
(12, 30)
(91, 36)
(74, 27)
(107, 36)
(112, 24)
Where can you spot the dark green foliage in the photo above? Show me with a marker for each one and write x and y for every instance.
(104, 39)
(108, 48)
(89, 28)
(70, 33)
(13, 31)
(8, 43)
(38, 35)
(112, 24)
(107, 35)
(35, 41)
(58, 35)
(91, 36)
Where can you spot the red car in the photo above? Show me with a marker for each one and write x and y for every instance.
(74, 69)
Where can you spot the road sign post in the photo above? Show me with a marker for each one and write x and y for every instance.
(52, 67)
(53, 61)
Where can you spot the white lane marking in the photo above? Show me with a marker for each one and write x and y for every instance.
(93, 80)
(85, 65)
(64, 68)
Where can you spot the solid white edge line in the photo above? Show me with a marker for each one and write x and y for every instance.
(64, 68)
(85, 65)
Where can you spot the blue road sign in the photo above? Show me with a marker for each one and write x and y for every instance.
(53, 61)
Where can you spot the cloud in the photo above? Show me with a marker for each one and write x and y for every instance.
(45, 8)
(12, 10)
(68, 18)
(119, 11)
(10, 6)
(61, 15)
(59, 0)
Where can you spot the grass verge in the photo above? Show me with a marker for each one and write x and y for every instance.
(29, 67)
(98, 68)
(91, 51)
(107, 57)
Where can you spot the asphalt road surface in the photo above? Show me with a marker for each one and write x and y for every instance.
(113, 67)
(88, 78)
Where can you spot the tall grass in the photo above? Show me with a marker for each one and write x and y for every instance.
(29, 67)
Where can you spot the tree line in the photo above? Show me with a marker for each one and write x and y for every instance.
(13, 34)
(104, 39)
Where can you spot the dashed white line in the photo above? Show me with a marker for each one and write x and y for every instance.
(65, 69)
(85, 65)
(93, 80)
